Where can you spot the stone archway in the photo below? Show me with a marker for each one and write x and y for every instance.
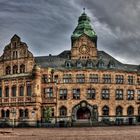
(84, 110)
(83, 113)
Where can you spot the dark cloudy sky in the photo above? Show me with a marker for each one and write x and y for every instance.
(46, 25)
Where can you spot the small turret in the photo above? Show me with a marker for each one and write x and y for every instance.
(36, 71)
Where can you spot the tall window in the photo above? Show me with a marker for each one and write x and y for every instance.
(63, 94)
(119, 94)
(15, 69)
(6, 91)
(105, 94)
(0, 92)
(2, 113)
(21, 91)
(138, 95)
(15, 54)
(13, 91)
(26, 113)
(130, 80)
(7, 113)
(130, 110)
(138, 81)
(76, 93)
(29, 90)
(91, 93)
(63, 111)
(21, 113)
(8, 70)
(130, 94)
(93, 78)
(119, 79)
(52, 112)
(80, 78)
(107, 78)
(105, 111)
(48, 92)
(119, 111)
(45, 78)
(22, 68)
(139, 110)
(67, 78)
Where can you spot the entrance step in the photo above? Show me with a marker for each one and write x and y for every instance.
(82, 123)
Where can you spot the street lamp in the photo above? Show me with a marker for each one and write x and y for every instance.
(13, 111)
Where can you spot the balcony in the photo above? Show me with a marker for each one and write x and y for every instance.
(50, 100)
(16, 99)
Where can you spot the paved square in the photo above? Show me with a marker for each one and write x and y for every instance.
(88, 133)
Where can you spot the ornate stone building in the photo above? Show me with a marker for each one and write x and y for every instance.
(82, 85)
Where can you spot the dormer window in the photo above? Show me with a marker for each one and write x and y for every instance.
(111, 64)
(79, 65)
(89, 64)
(68, 64)
(100, 64)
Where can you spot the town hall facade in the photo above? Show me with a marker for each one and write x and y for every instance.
(79, 86)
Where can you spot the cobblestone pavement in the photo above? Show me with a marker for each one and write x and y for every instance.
(88, 133)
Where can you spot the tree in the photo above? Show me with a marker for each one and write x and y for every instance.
(47, 114)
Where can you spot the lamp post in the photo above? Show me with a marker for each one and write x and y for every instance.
(13, 111)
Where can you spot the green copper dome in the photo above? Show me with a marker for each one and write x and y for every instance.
(84, 27)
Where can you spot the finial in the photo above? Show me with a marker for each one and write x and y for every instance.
(84, 10)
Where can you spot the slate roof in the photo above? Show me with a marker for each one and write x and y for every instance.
(58, 61)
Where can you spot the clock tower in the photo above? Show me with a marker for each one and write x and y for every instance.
(84, 40)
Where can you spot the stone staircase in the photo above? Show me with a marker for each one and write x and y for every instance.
(82, 123)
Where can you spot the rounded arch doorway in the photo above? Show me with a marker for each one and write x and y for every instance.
(83, 113)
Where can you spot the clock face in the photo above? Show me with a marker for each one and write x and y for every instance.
(84, 49)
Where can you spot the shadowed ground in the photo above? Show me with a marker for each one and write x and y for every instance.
(89, 133)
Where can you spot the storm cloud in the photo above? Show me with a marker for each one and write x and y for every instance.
(47, 25)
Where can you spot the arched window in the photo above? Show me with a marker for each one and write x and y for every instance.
(21, 91)
(22, 68)
(105, 111)
(119, 111)
(2, 113)
(68, 64)
(26, 113)
(15, 69)
(7, 113)
(63, 111)
(6, 91)
(21, 113)
(130, 110)
(13, 91)
(139, 110)
(29, 90)
(8, 70)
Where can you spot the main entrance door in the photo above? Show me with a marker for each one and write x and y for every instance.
(83, 113)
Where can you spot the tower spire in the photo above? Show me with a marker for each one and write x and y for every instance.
(84, 9)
